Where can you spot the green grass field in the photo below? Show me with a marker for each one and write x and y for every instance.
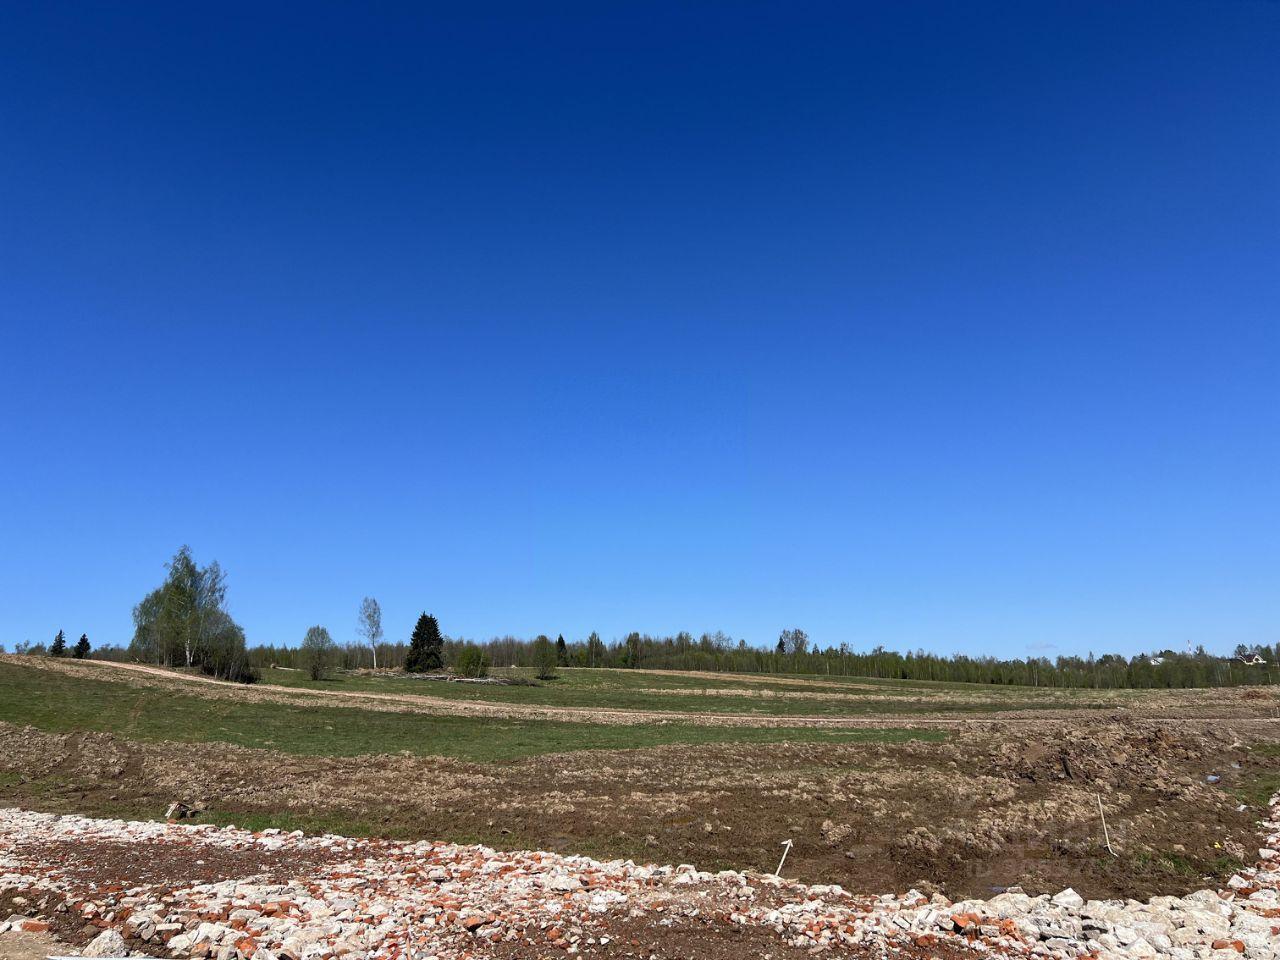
(727, 694)
(1260, 786)
(59, 703)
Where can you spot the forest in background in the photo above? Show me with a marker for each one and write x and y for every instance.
(185, 623)
(1165, 669)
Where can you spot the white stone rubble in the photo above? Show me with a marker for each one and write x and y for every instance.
(379, 899)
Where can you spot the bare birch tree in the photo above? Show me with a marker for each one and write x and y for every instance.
(370, 625)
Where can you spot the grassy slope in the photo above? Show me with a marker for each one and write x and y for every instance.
(1260, 786)
(639, 690)
(59, 703)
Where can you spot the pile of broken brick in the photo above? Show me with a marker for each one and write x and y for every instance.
(392, 900)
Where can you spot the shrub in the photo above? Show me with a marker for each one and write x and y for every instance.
(544, 658)
(318, 653)
(472, 662)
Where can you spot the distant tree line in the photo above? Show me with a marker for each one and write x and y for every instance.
(185, 623)
(430, 651)
(57, 648)
(795, 654)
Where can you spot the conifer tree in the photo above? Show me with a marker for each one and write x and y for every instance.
(59, 648)
(426, 646)
(81, 649)
(562, 651)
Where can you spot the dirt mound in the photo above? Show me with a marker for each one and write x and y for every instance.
(1119, 753)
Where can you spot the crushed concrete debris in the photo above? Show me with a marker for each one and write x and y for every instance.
(382, 899)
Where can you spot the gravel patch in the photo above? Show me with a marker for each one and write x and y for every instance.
(287, 896)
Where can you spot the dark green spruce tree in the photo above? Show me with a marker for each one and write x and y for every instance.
(59, 648)
(426, 646)
(81, 649)
(562, 651)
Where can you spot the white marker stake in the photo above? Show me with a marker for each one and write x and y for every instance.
(787, 844)
(1106, 835)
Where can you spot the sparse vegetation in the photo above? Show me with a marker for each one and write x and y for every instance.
(1257, 786)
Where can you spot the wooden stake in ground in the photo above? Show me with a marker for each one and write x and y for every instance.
(1105, 835)
(787, 849)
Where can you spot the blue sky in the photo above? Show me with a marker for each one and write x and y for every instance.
(937, 325)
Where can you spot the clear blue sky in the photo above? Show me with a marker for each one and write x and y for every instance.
(943, 325)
